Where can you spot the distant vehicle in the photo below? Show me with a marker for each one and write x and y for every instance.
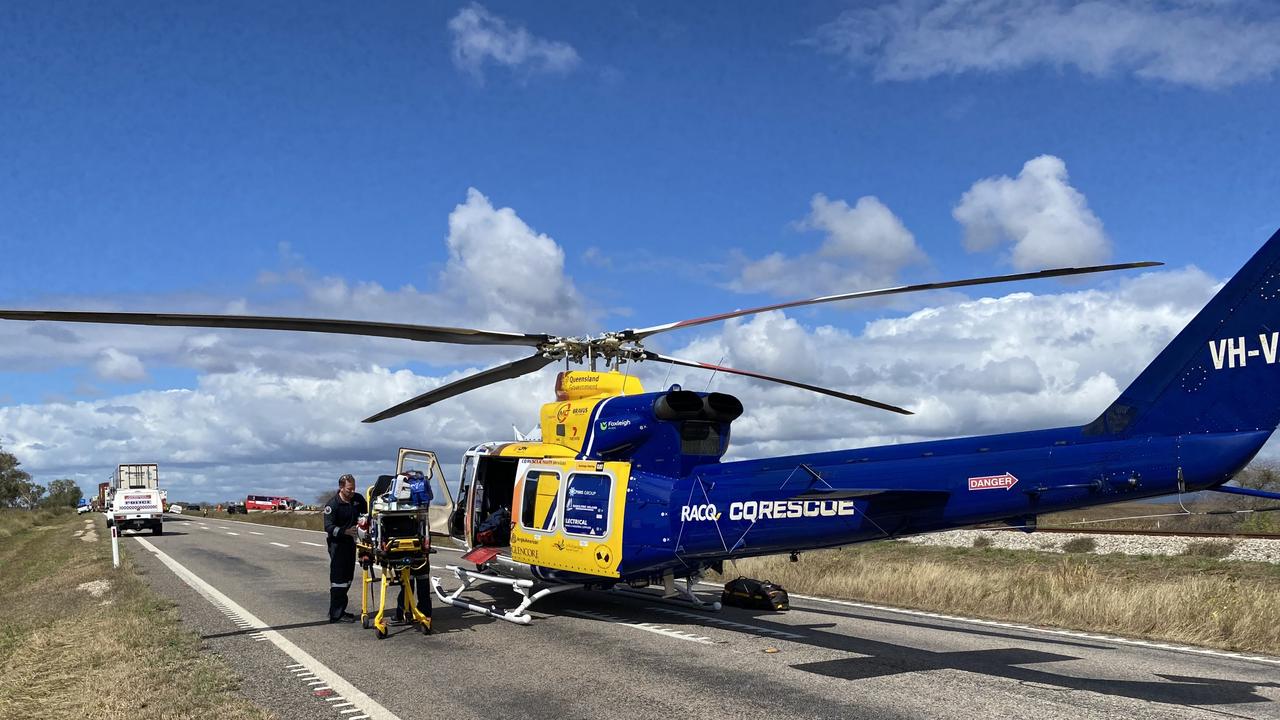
(233, 508)
(83, 506)
(137, 510)
(175, 509)
(270, 502)
(136, 476)
(194, 507)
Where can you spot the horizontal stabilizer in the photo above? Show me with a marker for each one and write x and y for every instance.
(1231, 490)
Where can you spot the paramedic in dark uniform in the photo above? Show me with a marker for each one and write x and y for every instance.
(340, 515)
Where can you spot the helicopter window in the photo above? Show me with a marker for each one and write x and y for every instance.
(699, 438)
(538, 502)
(586, 504)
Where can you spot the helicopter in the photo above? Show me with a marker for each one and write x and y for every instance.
(626, 488)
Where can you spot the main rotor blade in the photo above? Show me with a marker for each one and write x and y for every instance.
(466, 384)
(648, 355)
(641, 333)
(421, 333)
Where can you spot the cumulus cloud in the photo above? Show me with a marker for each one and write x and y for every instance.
(115, 365)
(505, 272)
(481, 38)
(864, 246)
(498, 274)
(1187, 42)
(1047, 221)
(996, 364)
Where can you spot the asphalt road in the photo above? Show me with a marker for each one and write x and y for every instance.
(601, 655)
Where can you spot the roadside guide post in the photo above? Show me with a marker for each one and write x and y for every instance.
(115, 545)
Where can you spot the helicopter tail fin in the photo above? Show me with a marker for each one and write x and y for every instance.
(1221, 373)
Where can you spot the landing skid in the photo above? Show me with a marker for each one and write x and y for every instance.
(674, 594)
(522, 587)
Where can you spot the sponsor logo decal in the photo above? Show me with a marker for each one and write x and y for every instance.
(754, 510)
(993, 482)
(708, 511)
(612, 424)
(562, 412)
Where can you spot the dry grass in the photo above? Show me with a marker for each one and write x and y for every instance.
(123, 654)
(303, 520)
(1185, 599)
(1210, 549)
(1080, 545)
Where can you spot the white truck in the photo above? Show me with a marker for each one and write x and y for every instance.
(137, 502)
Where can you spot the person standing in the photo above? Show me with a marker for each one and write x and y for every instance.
(340, 516)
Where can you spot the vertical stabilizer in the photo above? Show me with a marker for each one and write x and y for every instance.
(1221, 373)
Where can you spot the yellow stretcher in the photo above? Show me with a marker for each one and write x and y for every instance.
(397, 543)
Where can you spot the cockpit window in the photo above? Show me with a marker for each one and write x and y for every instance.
(698, 437)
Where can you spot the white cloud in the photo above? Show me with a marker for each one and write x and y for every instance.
(864, 246)
(505, 273)
(499, 275)
(481, 38)
(989, 365)
(115, 365)
(1187, 42)
(1047, 220)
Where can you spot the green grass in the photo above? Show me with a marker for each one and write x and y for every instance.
(63, 652)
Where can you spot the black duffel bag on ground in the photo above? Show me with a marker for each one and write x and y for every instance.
(746, 592)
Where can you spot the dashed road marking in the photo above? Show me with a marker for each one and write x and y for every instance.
(233, 533)
(721, 622)
(279, 544)
(647, 627)
(251, 532)
(304, 542)
(348, 693)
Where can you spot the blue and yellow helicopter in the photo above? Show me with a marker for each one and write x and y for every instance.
(627, 488)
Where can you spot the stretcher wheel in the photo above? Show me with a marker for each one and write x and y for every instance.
(426, 628)
(366, 622)
(382, 634)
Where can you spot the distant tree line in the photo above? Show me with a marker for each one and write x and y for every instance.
(17, 490)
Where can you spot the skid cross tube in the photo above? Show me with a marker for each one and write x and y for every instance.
(518, 616)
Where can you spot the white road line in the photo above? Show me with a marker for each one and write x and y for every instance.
(304, 542)
(1034, 629)
(647, 627)
(254, 533)
(223, 527)
(233, 533)
(370, 706)
(279, 544)
(721, 622)
(1050, 631)
(321, 532)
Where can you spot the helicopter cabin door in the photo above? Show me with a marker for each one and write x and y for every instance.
(424, 461)
(567, 514)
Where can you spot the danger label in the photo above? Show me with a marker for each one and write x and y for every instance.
(993, 482)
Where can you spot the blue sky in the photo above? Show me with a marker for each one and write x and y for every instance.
(320, 159)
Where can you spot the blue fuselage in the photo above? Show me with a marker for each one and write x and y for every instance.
(805, 502)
